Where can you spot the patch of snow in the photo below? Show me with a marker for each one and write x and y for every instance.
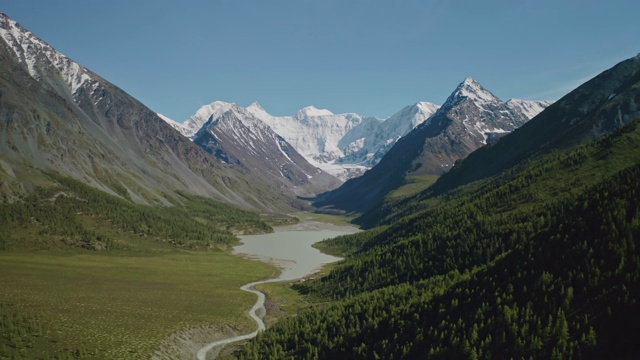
(528, 108)
(472, 90)
(196, 121)
(37, 56)
(311, 111)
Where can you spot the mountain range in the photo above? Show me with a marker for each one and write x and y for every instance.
(346, 145)
(84, 127)
(240, 140)
(521, 240)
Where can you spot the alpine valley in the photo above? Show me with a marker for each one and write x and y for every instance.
(490, 229)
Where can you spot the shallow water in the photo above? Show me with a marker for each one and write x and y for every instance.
(290, 247)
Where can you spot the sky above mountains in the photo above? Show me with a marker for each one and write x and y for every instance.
(370, 57)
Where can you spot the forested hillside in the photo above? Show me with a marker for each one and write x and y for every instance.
(556, 280)
(538, 258)
(73, 214)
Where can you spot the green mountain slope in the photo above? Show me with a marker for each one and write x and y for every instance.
(75, 215)
(595, 108)
(570, 291)
(537, 259)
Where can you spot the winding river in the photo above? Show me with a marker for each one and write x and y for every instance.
(289, 248)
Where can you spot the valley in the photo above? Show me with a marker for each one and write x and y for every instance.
(476, 229)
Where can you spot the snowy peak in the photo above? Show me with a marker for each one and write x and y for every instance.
(207, 110)
(310, 112)
(39, 57)
(239, 139)
(427, 107)
(174, 124)
(367, 143)
(258, 111)
(400, 123)
(191, 126)
(255, 106)
(471, 90)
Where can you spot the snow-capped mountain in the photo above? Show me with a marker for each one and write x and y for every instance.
(316, 134)
(366, 144)
(56, 115)
(470, 118)
(241, 140)
(40, 59)
(344, 145)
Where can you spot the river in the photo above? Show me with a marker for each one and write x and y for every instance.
(289, 248)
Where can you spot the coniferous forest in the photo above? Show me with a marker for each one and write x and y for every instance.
(60, 216)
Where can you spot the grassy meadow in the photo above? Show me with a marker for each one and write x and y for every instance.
(87, 275)
(82, 304)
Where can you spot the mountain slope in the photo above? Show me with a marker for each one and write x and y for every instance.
(569, 292)
(344, 145)
(469, 119)
(241, 140)
(59, 116)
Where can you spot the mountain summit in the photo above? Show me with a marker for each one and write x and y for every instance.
(311, 111)
(471, 90)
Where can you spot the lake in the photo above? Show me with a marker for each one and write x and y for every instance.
(290, 249)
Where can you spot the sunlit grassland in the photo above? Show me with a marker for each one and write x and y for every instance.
(413, 185)
(118, 306)
(340, 220)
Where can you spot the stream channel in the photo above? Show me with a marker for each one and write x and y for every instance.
(290, 249)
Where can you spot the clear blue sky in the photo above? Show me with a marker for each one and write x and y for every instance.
(369, 57)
